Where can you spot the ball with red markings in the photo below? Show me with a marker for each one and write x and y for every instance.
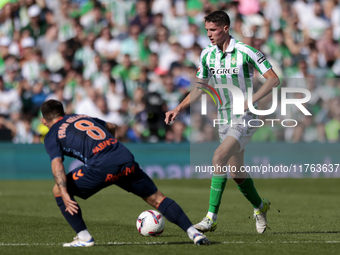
(150, 223)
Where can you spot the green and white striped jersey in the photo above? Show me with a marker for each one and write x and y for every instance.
(234, 66)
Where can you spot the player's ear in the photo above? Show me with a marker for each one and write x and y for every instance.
(226, 28)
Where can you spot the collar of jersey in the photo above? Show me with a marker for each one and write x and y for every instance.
(231, 45)
(59, 119)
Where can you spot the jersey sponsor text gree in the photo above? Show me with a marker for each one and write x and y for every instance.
(221, 71)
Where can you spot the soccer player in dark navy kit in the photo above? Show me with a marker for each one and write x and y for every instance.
(106, 162)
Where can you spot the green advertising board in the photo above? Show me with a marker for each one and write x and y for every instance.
(169, 161)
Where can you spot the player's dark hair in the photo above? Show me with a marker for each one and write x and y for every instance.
(52, 109)
(220, 18)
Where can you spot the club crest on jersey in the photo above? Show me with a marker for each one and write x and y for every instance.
(221, 71)
(260, 57)
(233, 61)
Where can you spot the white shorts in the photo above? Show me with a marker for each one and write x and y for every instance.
(239, 129)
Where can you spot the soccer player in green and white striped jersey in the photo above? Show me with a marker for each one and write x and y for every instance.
(227, 61)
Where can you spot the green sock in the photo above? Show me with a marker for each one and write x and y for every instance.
(248, 190)
(218, 183)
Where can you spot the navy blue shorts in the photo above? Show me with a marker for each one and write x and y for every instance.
(83, 182)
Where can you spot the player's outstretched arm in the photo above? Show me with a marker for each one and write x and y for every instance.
(271, 81)
(192, 97)
(58, 171)
(111, 128)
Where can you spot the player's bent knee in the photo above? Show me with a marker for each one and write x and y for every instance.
(155, 199)
(56, 191)
(217, 158)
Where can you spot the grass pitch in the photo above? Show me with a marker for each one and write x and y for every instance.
(304, 219)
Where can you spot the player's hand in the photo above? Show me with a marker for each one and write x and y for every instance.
(171, 116)
(71, 205)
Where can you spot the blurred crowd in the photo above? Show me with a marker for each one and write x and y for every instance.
(130, 61)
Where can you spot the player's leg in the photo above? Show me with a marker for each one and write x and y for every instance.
(244, 182)
(247, 187)
(76, 221)
(223, 153)
(140, 184)
(174, 213)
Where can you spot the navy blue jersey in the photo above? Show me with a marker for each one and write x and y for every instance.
(86, 139)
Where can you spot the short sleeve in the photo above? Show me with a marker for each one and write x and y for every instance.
(259, 61)
(53, 147)
(203, 71)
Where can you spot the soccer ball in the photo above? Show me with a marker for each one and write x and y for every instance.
(150, 223)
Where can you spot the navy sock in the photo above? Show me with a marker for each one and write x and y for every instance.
(174, 213)
(76, 220)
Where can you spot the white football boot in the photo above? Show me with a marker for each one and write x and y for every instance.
(261, 216)
(207, 224)
(200, 239)
(77, 242)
